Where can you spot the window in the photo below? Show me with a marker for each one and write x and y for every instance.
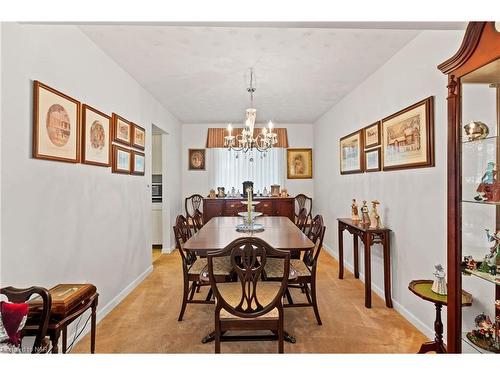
(229, 171)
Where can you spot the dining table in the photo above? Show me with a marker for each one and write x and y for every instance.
(278, 231)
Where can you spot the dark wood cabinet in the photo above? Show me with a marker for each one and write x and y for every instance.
(231, 207)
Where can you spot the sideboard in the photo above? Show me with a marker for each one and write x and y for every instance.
(269, 206)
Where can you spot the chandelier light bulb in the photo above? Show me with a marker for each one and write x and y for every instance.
(270, 124)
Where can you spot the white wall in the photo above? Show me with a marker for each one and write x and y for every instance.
(195, 136)
(413, 202)
(61, 222)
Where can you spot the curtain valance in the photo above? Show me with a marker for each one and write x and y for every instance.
(215, 136)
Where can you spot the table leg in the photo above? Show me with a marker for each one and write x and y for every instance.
(92, 327)
(54, 338)
(368, 272)
(437, 345)
(341, 251)
(387, 269)
(356, 255)
(64, 339)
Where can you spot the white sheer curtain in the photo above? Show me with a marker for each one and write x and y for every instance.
(263, 171)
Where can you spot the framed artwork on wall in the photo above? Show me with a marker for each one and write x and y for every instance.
(351, 153)
(122, 160)
(408, 137)
(196, 159)
(122, 130)
(96, 137)
(372, 160)
(299, 163)
(138, 163)
(56, 125)
(371, 135)
(138, 137)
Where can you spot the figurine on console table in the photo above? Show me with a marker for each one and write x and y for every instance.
(365, 217)
(375, 222)
(489, 188)
(354, 211)
(439, 284)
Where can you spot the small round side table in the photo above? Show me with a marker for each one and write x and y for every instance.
(422, 288)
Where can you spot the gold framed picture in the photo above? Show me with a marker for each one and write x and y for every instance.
(96, 137)
(299, 163)
(351, 153)
(138, 137)
(372, 160)
(408, 137)
(122, 130)
(196, 159)
(122, 160)
(138, 163)
(371, 135)
(56, 125)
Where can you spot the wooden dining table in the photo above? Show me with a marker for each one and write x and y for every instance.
(279, 232)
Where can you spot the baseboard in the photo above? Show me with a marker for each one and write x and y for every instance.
(101, 313)
(425, 329)
(168, 251)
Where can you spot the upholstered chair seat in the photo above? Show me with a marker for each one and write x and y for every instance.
(222, 266)
(274, 268)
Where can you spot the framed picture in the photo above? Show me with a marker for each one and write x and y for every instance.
(122, 130)
(408, 137)
(56, 125)
(122, 160)
(96, 137)
(138, 163)
(299, 163)
(371, 135)
(138, 137)
(196, 159)
(351, 153)
(372, 160)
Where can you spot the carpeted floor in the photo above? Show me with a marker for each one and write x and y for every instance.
(146, 321)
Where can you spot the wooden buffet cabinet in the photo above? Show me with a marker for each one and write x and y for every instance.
(269, 206)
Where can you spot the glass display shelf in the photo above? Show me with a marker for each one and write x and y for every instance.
(480, 202)
(470, 347)
(479, 141)
(494, 279)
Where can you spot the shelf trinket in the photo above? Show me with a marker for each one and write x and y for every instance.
(489, 188)
(354, 211)
(365, 217)
(375, 222)
(439, 284)
(476, 130)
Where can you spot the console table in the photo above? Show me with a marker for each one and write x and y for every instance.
(368, 236)
(269, 206)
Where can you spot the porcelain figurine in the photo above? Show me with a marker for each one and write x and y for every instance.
(439, 284)
(375, 222)
(233, 192)
(489, 188)
(212, 194)
(365, 217)
(476, 130)
(354, 211)
(264, 192)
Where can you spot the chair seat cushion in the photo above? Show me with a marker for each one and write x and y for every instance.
(266, 292)
(222, 266)
(274, 267)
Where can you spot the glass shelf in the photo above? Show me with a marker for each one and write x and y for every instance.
(481, 202)
(484, 276)
(470, 347)
(484, 140)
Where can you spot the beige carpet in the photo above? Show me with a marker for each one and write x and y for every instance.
(146, 321)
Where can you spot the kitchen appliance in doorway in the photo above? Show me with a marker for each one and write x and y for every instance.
(156, 187)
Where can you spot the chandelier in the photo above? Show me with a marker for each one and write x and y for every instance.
(245, 141)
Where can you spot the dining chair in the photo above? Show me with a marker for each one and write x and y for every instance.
(193, 206)
(303, 201)
(21, 296)
(249, 303)
(306, 269)
(192, 267)
(302, 220)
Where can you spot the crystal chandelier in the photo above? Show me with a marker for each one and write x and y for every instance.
(245, 141)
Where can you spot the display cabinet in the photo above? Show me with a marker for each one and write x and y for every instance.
(474, 190)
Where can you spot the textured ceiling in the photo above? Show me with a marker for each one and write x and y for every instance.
(200, 74)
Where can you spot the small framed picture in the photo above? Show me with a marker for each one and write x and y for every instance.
(96, 137)
(351, 153)
(138, 137)
(122, 160)
(408, 137)
(299, 163)
(372, 135)
(56, 125)
(196, 159)
(372, 160)
(122, 130)
(138, 163)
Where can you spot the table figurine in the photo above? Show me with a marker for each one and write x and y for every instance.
(365, 217)
(233, 192)
(439, 284)
(284, 193)
(375, 222)
(489, 188)
(264, 192)
(275, 190)
(476, 130)
(212, 194)
(354, 211)
(221, 192)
